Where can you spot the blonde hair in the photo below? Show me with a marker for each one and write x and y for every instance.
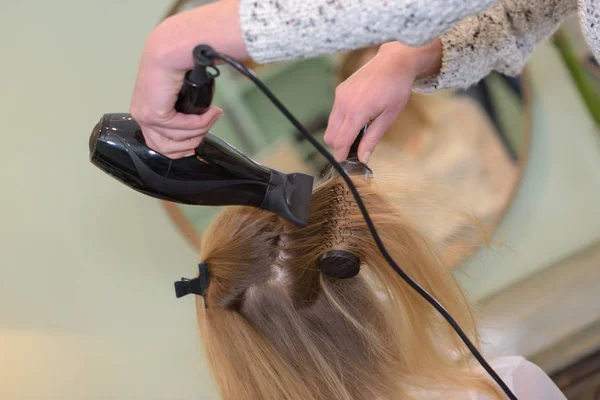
(275, 327)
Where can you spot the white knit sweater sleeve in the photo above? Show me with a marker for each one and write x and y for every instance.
(278, 30)
(499, 39)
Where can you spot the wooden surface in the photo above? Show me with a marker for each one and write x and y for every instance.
(552, 318)
(581, 381)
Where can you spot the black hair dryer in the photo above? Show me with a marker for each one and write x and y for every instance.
(216, 175)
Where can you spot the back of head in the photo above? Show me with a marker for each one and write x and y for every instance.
(276, 327)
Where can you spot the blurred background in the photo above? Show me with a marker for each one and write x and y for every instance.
(87, 308)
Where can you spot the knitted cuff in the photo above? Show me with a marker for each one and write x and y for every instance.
(462, 64)
(501, 39)
(590, 23)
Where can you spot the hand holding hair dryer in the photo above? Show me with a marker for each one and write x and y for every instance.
(216, 175)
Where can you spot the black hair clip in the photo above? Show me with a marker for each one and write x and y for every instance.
(198, 285)
(340, 264)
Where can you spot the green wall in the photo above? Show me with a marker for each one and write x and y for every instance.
(87, 307)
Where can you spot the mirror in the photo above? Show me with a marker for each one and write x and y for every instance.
(470, 146)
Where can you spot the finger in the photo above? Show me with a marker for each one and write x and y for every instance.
(333, 125)
(336, 117)
(373, 135)
(166, 146)
(179, 135)
(149, 136)
(349, 130)
(189, 122)
(182, 154)
(169, 146)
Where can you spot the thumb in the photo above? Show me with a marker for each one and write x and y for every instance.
(373, 135)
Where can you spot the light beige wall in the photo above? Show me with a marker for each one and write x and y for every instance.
(87, 307)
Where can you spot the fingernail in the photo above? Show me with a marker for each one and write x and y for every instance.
(366, 156)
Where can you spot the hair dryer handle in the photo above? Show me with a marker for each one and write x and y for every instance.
(353, 154)
(197, 92)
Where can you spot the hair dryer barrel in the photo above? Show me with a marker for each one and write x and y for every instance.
(217, 175)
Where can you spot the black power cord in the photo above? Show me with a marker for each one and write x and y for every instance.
(248, 73)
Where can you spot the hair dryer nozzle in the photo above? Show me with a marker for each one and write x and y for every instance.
(289, 196)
